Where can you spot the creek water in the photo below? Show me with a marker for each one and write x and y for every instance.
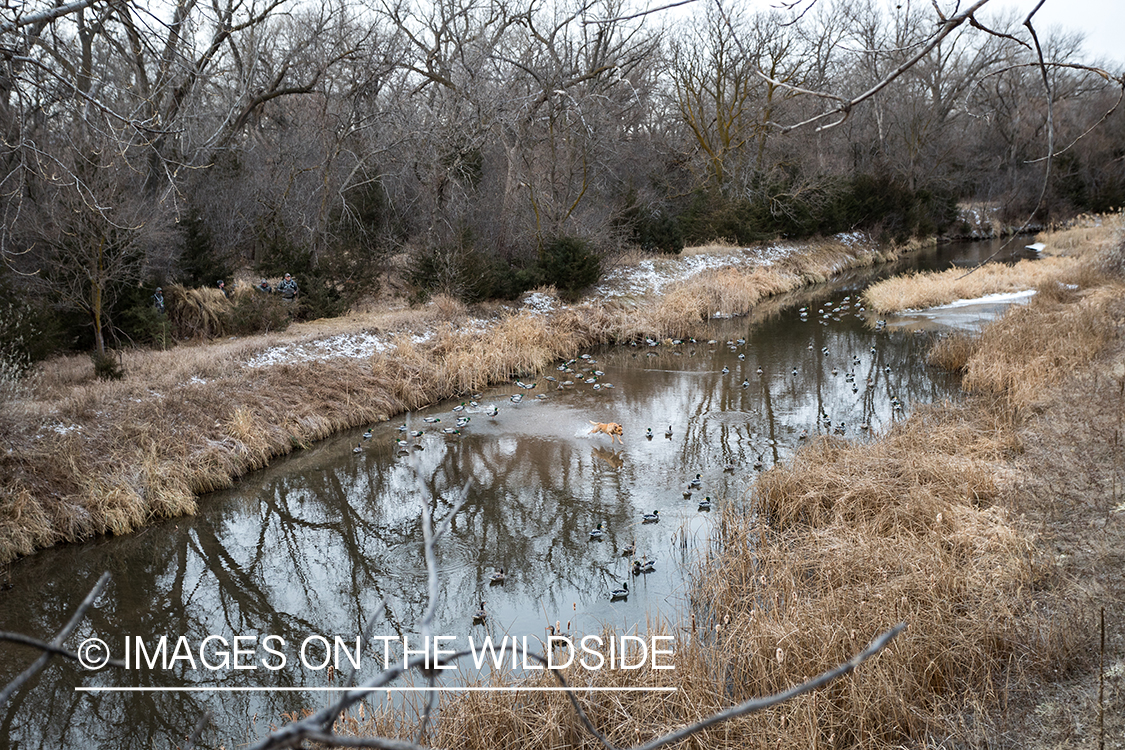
(306, 548)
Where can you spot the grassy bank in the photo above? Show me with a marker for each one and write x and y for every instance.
(1065, 262)
(994, 528)
(85, 456)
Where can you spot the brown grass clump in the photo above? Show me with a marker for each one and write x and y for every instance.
(197, 312)
(920, 290)
(1037, 345)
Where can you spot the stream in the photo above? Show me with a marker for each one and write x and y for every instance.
(305, 549)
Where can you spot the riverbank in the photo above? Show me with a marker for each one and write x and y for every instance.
(85, 457)
(1064, 262)
(994, 528)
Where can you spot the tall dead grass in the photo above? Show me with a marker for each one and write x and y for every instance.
(1074, 256)
(922, 525)
(94, 457)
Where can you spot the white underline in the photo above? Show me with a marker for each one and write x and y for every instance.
(465, 689)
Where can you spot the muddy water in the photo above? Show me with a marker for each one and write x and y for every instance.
(308, 547)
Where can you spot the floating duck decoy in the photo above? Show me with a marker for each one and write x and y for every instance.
(687, 494)
(598, 533)
(648, 433)
(695, 483)
(497, 577)
(653, 517)
(358, 448)
(459, 407)
(705, 504)
(415, 433)
(621, 593)
(431, 420)
(367, 435)
(492, 412)
(648, 566)
(480, 615)
(668, 432)
(515, 398)
(630, 550)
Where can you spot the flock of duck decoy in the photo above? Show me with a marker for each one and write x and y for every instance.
(582, 370)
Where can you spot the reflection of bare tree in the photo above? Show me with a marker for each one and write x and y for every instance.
(311, 545)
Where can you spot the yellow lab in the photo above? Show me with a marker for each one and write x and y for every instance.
(609, 428)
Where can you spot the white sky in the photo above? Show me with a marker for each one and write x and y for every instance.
(1102, 21)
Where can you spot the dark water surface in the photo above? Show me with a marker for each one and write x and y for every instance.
(310, 545)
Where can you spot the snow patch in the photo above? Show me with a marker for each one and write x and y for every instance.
(989, 299)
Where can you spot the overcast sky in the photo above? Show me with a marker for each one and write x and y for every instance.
(1102, 21)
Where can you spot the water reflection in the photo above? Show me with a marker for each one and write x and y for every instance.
(310, 545)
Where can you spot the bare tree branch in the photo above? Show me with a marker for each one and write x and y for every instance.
(54, 647)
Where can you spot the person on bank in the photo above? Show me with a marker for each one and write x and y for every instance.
(223, 289)
(158, 300)
(288, 288)
(264, 287)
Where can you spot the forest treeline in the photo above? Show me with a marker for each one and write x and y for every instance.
(484, 147)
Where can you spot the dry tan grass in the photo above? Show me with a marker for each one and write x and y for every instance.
(920, 290)
(190, 419)
(924, 525)
(1072, 255)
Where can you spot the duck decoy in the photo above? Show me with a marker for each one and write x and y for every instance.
(416, 433)
(430, 420)
(636, 569)
(651, 517)
(648, 566)
(492, 412)
(498, 577)
(668, 432)
(358, 448)
(459, 407)
(695, 483)
(598, 533)
(480, 615)
(515, 398)
(367, 435)
(705, 504)
(630, 550)
(687, 494)
(621, 593)
(758, 463)
(648, 433)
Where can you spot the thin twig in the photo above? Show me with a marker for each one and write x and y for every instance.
(57, 641)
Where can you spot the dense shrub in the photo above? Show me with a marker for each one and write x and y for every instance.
(789, 209)
(106, 366)
(570, 264)
(253, 311)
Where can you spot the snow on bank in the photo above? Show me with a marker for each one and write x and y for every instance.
(1000, 298)
(351, 345)
(654, 275)
(962, 314)
(649, 277)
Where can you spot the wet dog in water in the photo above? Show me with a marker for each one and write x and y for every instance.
(609, 428)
